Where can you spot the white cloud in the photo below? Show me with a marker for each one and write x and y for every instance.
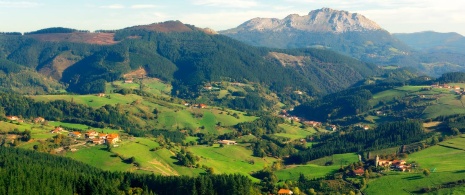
(143, 6)
(227, 3)
(18, 4)
(113, 6)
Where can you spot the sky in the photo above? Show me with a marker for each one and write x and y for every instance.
(396, 16)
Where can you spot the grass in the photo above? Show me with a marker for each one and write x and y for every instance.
(316, 168)
(208, 122)
(90, 100)
(98, 157)
(230, 159)
(294, 132)
(337, 159)
(444, 158)
(310, 171)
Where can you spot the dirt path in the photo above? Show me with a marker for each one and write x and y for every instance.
(163, 169)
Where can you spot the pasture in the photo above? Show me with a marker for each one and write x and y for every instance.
(442, 158)
(230, 159)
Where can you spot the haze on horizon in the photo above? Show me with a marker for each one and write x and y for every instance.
(396, 16)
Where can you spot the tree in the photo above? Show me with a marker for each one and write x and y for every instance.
(426, 172)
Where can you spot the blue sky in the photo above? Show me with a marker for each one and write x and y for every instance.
(393, 15)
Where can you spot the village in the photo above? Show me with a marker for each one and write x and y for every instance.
(89, 137)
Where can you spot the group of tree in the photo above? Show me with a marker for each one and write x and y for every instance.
(384, 136)
(27, 172)
(266, 124)
(60, 110)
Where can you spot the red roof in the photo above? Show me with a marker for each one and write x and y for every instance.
(359, 171)
(284, 191)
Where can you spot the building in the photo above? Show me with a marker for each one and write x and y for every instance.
(39, 120)
(331, 128)
(57, 130)
(101, 95)
(75, 134)
(285, 192)
(112, 138)
(12, 118)
(102, 136)
(128, 81)
(91, 134)
(312, 123)
(360, 171)
(202, 106)
(227, 142)
(97, 141)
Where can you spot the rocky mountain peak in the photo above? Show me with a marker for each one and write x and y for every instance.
(320, 20)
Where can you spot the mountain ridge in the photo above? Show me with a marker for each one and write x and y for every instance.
(321, 20)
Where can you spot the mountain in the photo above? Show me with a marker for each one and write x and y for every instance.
(183, 55)
(341, 31)
(430, 41)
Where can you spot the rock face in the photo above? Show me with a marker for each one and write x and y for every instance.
(349, 33)
(321, 20)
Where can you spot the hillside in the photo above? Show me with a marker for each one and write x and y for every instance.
(186, 56)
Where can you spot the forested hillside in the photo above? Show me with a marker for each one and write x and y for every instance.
(187, 59)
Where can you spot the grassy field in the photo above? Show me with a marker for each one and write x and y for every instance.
(91, 100)
(316, 168)
(295, 132)
(444, 160)
(230, 159)
(99, 157)
(310, 171)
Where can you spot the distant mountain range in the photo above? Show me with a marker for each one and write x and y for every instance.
(430, 41)
(357, 36)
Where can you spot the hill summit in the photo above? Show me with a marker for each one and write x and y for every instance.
(320, 20)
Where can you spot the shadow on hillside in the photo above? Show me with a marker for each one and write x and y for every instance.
(461, 171)
(413, 177)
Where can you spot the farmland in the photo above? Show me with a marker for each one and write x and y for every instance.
(442, 161)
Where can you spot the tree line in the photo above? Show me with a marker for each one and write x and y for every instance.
(384, 136)
(27, 172)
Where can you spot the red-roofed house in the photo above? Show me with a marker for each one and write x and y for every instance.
(359, 171)
(285, 192)
(57, 130)
(75, 134)
(202, 106)
(102, 136)
(112, 138)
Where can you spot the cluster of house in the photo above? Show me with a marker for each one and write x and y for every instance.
(15, 118)
(397, 165)
(91, 136)
(445, 86)
(287, 116)
(196, 105)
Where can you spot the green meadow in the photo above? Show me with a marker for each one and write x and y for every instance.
(444, 162)
(294, 132)
(230, 159)
(317, 168)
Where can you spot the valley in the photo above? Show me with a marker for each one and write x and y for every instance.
(323, 103)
